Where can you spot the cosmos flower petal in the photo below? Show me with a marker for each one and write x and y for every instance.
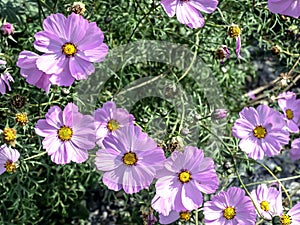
(61, 156)
(47, 42)
(97, 54)
(192, 196)
(68, 114)
(51, 63)
(92, 41)
(169, 6)
(189, 16)
(80, 68)
(64, 78)
(295, 149)
(76, 28)
(288, 7)
(172, 217)
(55, 24)
(113, 179)
(204, 5)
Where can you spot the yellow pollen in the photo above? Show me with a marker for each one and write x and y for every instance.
(184, 176)
(113, 125)
(65, 133)
(229, 213)
(10, 166)
(289, 114)
(234, 31)
(21, 118)
(285, 219)
(129, 159)
(259, 132)
(69, 49)
(185, 215)
(264, 205)
(9, 134)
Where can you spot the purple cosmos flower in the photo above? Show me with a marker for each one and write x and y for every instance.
(68, 134)
(7, 28)
(268, 201)
(29, 70)
(187, 11)
(292, 217)
(109, 118)
(235, 32)
(229, 208)
(129, 160)
(182, 179)
(285, 7)
(71, 45)
(291, 108)
(5, 78)
(173, 216)
(261, 131)
(8, 157)
(295, 150)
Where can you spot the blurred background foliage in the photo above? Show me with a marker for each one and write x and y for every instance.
(41, 192)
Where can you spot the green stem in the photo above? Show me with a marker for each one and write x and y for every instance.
(272, 181)
(193, 60)
(196, 217)
(35, 156)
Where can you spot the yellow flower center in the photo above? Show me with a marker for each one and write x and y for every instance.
(21, 118)
(264, 205)
(10, 166)
(69, 49)
(184, 176)
(285, 219)
(113, 125)
(9, 134)
(185, 215)
(129, 159)
(65, 133)
(259, 132)
(234, 31)
(229, 213)
(289, 114)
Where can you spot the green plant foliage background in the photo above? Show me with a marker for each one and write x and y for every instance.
(41, 192)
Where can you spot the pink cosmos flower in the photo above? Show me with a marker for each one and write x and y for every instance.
(182, 180)
(29, 70)
(291, 108)
(285, 7)
(109, 118)
(5, 78)
(8, 157)
(229, 208)
(7, 28)
(68, 134)
(130, 160)
(71, 45)
(268, 201)
(295, 149)
(187, 11)
(292, 217)
(261, 131)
